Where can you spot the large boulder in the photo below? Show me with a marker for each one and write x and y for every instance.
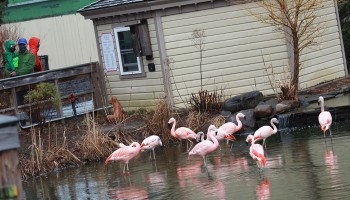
(286, 106)
(242, 102)
(261, 111)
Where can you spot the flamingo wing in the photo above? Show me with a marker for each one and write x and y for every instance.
(202, 148)
(229, 127)
(262, 133)
(185, 133)
(151, 142)
(257, 153)
(325, 120)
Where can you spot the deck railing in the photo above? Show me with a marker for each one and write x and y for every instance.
(85, 81)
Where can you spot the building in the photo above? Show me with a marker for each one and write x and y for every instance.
(136, 39)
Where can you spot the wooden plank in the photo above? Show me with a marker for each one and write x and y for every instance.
(45, 76)
(59, 109)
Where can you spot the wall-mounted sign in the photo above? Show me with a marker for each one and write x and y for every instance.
(110, 62)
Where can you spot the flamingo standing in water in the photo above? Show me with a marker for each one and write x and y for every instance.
(182, 133)
(324, 118)
(256, 151)
(150, 143)
(231, 127)
(206, 146)
(266, 131)
(125, 154)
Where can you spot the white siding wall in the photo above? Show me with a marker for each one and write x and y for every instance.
(138, 92)
(67, 40)
(235, 44)
(323, 61)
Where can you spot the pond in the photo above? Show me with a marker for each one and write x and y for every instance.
(300, 165)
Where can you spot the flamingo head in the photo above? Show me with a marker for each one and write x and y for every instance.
(241, 115)
(212, 128)
(199, 136)
(274, 120)
(170, 122)
(320, 99)
(250, 138)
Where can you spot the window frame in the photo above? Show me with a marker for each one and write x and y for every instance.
(116, 30)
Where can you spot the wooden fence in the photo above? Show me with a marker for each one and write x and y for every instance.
(86, 81)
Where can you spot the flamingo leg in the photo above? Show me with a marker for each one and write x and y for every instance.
(205, 162)
(150, 155)
(330, 133)
(154, 154)
(124, 169)
(264, 143)
(188, 149)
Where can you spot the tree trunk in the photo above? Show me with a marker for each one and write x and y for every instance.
(295, 74)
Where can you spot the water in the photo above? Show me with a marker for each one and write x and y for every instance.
(300, 165)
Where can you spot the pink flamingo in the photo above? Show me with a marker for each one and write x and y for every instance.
(324, 118)
(256, 151)
(207, 146)
(150, 143)
(266, 131)
(182, 133)
(231, 127)
(125, 154)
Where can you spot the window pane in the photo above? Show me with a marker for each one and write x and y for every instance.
(125, 40)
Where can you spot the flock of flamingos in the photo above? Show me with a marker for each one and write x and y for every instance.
(214, 136)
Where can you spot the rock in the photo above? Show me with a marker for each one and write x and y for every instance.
(225, 113)
(263, 111)
(242, 102)
(272, 102)
(286, 106)
(249, 122)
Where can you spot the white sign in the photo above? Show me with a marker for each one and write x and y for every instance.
(108, 51)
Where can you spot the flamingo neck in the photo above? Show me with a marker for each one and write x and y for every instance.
(172, 131)
(322, 105)
(274, 127)
(239, 124)
(214, 140)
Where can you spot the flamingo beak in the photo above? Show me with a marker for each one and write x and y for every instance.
(169, 125)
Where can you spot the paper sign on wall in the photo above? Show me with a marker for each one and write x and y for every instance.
(108, 51)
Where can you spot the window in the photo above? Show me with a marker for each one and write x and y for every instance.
(129, 63)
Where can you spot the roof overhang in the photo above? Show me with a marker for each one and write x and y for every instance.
(139, 7)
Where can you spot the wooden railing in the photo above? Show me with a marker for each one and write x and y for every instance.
(86, 81)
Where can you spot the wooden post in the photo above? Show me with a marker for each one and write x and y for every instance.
(10, 177)
(59, 110)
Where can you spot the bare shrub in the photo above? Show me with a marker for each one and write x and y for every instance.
(157, 123)
(206, 101)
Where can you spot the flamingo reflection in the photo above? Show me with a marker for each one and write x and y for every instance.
(130, 192)
(191, 176)
(263, 189)
(155, 180)
(331, 162)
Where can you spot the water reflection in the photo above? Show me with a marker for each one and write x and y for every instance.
(331, 163)
(263, 189)
(300, 165)
(129, 192)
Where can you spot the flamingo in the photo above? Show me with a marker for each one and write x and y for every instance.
(183, 133)
(324, 118)
(231, 127)
(256, 151)
(207, 146)
(125, 154)
(150, 143)
(266, 131)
